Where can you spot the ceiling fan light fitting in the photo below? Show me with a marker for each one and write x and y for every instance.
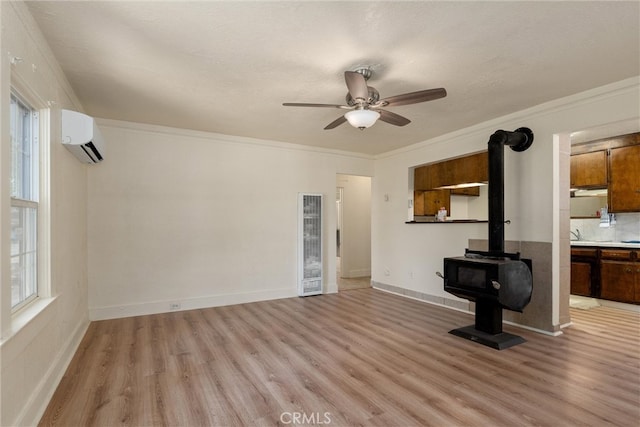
(362, 119)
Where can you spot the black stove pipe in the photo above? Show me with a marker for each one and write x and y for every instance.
(518, 140)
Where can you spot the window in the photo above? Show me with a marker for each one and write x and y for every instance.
(24, 129)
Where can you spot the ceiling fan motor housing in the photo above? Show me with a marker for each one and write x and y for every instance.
(372, 98)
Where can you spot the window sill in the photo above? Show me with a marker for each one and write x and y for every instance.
(35, 313)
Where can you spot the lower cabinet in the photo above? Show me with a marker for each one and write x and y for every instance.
(584, 272)
(619, 281)
(620, 275)
(581, 274)
(606, 273)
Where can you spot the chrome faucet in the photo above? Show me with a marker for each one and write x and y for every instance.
(577, 234)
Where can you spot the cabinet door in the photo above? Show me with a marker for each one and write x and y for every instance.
(434, 200)
(428, 202)
(474, 168)
(589, 170)
(624, 179)
(581, 278)
(421, 178)
(617, 280)
(441, 174)
(418, 203)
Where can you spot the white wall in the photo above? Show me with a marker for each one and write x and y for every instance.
(38, 342)
(408, 255)
(201, 219)
(355, 256)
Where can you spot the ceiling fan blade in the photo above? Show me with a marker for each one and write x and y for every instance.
(304, 104)
(393, 118)
(413, 97)
(337, 122)
(357, 85)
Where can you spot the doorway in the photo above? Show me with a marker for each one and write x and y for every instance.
(353, 232)
(582, 222)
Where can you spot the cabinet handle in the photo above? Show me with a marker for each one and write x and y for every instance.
(628, 270)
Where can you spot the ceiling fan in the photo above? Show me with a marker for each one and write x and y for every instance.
(366, 106)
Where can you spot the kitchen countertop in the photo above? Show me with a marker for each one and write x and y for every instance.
(608, 244)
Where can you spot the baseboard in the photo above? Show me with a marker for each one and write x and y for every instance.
(619, 305)
(424, 297)
(352, 274)
(39, 399)
(164, 306)
(531, 328)
(463, 306)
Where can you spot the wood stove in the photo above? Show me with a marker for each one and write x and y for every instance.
(493, 279)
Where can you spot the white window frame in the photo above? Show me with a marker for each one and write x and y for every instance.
(42, 203)
(31, 180)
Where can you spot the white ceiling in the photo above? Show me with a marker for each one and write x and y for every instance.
(227, 67)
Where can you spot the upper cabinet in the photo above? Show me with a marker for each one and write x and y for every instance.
(589, 170)
(421, 178)
(624, 179)
(463, 170)
(610, 163)
(428, 181)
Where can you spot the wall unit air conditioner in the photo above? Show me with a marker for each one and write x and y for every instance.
(309, 244)
(81, 136)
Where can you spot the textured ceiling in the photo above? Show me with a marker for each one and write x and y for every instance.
(227, 67)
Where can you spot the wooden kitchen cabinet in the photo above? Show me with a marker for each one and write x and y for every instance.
(428, 198)
(430, 201)
(584, 271)
(620, 275)
(435, 199)
(418, 203)
(421, 178)
(618, 159)
(618, 281)
(473, 168)
(581, 273)
(589, 170)
(441, 173)
(624, 179)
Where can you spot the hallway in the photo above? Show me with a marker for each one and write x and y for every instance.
(345, 284)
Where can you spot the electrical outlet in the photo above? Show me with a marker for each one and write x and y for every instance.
(386, 271)
(174, 306)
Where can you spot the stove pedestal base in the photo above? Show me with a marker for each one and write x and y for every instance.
(500, 341)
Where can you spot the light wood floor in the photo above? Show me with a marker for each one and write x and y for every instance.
(362, 357)
(353, 283)
(348, 284)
